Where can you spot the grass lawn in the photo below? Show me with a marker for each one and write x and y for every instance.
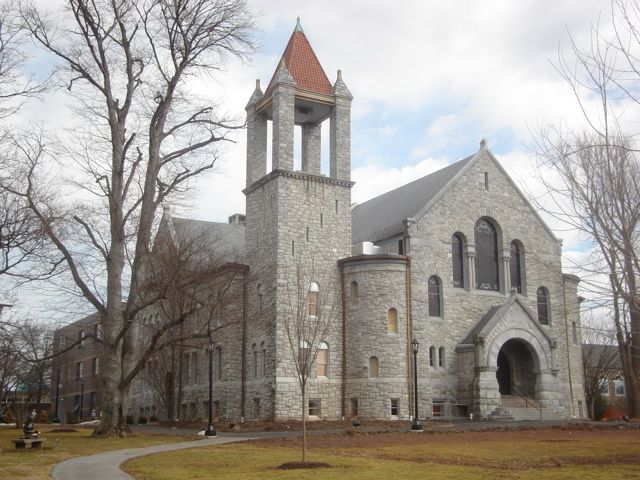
(30, 464)
(533, 454)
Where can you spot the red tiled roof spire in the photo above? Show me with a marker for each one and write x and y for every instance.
(303, 65)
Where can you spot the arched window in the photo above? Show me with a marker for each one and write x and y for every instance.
(263, 360)
(322, 360)
(486, 256)
(303, 357)
(312, 305)
(392, 321)
(441, 362)
(543, 305)
(355, 293)
(255, 361)
(435, 297)
(374, 367)
(432, 356)
(259, 299)
(515, 265)
(457, 260)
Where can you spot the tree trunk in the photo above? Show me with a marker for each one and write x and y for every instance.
(114, 394)
(304, 425)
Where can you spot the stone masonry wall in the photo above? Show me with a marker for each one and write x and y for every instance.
(430, 239)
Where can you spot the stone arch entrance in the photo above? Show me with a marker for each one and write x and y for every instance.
(517, 366)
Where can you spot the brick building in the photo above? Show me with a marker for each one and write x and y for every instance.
(77, 362)
(459, 259)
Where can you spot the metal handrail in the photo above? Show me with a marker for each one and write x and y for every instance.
(526, 400)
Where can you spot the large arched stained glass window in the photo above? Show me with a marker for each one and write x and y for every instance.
(486, 256)
(457, 260)
(515, 266)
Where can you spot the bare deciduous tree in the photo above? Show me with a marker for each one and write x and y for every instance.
(600, 361)
(21, 237)
(312, 310)
(143, 140)
(593, 176)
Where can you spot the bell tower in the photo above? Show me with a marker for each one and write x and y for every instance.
(296, 219)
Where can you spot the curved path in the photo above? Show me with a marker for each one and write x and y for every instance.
(107, 465)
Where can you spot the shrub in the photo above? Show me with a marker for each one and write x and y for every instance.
(142, 420)
(129, 420)
(153, 418)
(42, 417)
(599, 406)
(8, 416)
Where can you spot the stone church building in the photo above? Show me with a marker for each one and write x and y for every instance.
(459, 259)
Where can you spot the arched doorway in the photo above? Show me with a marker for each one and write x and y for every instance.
(516, 372)
(503, 374)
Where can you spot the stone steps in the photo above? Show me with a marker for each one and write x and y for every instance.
(515, 408)
(523, 414)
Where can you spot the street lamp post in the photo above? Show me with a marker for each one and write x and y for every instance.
(211, 429)
(56, 418)
(81, 402)
(415, 426)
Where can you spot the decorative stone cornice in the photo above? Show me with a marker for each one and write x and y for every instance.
(300, 175)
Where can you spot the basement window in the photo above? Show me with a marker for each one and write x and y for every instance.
(395, 411)
(315, 409)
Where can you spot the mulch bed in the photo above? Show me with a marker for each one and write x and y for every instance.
(297, 465)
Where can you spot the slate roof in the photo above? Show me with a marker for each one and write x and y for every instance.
(222, 238)
(303, 65)
(382, 217)
(598, 356)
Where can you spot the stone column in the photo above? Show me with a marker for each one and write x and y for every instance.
(340, 151)
(311, 140)
(506, 274)
(283, 112)
(471, 268)
(256, 139)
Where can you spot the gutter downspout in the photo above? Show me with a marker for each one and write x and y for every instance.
(243, 380)
(343, 387)
(407, 283)
(566, 331)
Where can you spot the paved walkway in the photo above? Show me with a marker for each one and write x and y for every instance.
(106, 466)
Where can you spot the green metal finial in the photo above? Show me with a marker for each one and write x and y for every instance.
(298, 26)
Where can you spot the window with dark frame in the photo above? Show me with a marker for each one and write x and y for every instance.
(441, 359)
(515, 266)
(315, 407)
(432, 356)
(395, 410)
(355, 293)
(457, 260)
(435, 297)
(543, 305)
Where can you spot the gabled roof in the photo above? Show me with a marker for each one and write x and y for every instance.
(303, 65)
(383, 216)
(495, 314)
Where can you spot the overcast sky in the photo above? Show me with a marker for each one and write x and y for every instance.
(430, 79)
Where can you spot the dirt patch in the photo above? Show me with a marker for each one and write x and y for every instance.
(63, 430)
(298, 465)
